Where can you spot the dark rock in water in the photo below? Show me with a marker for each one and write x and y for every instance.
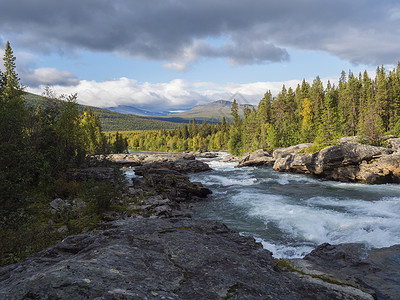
(160, 259)
(375, 271)
(180, 165)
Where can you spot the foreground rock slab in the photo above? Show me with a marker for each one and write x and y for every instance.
(373, 270)
(160, 259)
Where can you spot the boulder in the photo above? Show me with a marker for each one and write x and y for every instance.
(180, 165)
(139, 159)
(373, 270)
(344, 162)
(282, 152)
(394, 143)
(257, 158)
(160, 259)
(297, 163)
(231, 158)
(203, 154)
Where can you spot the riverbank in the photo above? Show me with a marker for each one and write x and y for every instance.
(160, 251)
(348, 161)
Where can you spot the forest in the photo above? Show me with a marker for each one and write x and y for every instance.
(358, 106)
(37, 148)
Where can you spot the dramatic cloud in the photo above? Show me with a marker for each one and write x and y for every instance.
(180, 32)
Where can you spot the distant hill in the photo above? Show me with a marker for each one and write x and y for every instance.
(128, 109)
(212, 112)
(110, 120)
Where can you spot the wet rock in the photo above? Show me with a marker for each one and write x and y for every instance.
(159, 258)
(257, 158)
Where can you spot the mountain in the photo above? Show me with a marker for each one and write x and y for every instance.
(212, 112)
(127, 109)
(110, 120)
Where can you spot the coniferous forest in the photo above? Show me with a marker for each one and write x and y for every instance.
(37, 148)
(358, 106)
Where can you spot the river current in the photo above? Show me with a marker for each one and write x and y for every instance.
(290, 214)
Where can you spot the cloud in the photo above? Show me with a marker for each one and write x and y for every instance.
(48, 76)
(179, 32)
(176, 94)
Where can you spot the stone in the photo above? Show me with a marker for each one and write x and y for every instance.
(59, 204)
(282, 152)
(374, 271)
(344, 162)
(180, 165)
(257, 158)
(159, 258)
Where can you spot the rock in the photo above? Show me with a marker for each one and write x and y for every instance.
(298, 163)
(349, 139)
(63, 229)
(372, 270)
(203, 154)
(59, 204)
(394, 143)
(282, 152)
(344, 162)
(231, 158)
(385, 169)
(180, 165)
(159, 258)
(140, 159)
(174, 185)
(257, 158)
(78, 205)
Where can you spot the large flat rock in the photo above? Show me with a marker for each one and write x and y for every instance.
(160, 259)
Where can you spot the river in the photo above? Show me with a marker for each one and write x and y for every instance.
(290, 214)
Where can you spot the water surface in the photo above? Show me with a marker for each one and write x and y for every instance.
(291, 213)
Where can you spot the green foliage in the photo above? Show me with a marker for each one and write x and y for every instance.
(397, 128)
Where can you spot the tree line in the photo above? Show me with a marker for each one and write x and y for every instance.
(357, 106)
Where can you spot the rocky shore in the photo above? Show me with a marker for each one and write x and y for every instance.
(348, 161)
(162, 252)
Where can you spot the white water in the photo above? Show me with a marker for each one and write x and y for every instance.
(291, 214)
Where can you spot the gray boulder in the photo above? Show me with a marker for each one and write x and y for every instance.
(257, 158)
(344, 162)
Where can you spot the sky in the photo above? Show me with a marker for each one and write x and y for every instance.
(168, 55)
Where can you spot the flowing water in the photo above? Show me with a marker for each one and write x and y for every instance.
(290, 214)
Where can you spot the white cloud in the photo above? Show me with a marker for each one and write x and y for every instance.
(49, 76)
(173, 95)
